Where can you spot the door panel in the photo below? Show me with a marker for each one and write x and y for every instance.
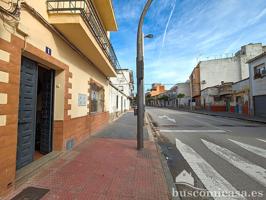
(47, 112)
(260, 108)
(27, 112)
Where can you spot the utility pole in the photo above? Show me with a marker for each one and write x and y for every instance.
(140, 79)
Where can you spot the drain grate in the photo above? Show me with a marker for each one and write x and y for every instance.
(31, 193)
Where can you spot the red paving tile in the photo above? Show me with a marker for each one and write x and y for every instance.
(104, 169)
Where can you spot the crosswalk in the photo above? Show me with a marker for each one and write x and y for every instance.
(210, 178)
(259, 151)
(261, 140)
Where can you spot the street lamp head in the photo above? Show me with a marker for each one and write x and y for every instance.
(149, 36)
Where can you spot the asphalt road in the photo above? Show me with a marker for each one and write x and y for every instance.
(221, 154)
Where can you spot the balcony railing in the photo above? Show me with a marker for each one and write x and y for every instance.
(87, 11)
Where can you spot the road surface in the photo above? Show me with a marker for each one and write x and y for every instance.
(221, 154)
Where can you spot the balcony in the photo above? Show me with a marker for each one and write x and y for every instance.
(78, 21)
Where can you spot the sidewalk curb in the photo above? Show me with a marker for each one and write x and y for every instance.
(230, 117)
(167, 174)
(216, 115)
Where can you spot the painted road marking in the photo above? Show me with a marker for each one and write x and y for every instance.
(253, 149)
(210, 178)
(168, 118)
(192, 131)
(261, 140)
(254, 171)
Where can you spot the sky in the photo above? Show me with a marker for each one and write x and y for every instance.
(185, 31)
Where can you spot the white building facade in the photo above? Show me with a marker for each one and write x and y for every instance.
(120, 93)
(177, 89)
(231, 69)
(257, 70)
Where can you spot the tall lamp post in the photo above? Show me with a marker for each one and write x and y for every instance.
(140, 78)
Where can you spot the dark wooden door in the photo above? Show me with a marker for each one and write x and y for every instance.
(27, 113)
(47, 112)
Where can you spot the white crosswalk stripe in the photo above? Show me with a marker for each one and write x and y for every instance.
(192, 131)
(261, 140)
(255, 150)
(210, 178)
(254, 171)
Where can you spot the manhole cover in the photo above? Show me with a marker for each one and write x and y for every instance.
(31, 193)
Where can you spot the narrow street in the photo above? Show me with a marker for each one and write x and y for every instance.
(220, 153)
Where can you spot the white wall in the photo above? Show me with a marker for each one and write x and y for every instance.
(246, 53)
(184, 88)
(215, 71)
(258, 86)
(122, 87)
(208, 95)
(231, 69)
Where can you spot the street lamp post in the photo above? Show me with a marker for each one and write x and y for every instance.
(140, 79)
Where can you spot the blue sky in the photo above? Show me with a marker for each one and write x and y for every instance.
(186, 31)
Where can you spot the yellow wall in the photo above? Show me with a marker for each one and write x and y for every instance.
(40, 37)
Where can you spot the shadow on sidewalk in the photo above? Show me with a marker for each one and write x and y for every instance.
(123, 128)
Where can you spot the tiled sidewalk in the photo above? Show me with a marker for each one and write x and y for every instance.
(104, 168)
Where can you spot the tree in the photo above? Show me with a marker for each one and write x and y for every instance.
(148, 99)
(179, 97)
(164, 98)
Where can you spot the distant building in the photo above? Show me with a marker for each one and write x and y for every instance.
(217, 98)
(180, 88)
(257, 70)
(120, 92)
(241, 96)
(210, 73)
(195, 85)
(157, 88)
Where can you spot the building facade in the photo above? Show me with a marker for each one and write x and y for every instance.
(156, 89)
(241, 96)
(121, 93)
(180, 95)
(55, 58)
(210, 73)
(257, 70)
(217, 98)
(195, 86)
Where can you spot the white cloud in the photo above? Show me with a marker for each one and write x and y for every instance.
(197, 28)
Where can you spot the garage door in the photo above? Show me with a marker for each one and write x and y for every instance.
(260, 106)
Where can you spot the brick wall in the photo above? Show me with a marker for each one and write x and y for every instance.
(76, 128)
(10, 62)
(82, 127)
(9, 90)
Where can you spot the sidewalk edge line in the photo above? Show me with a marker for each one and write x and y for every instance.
(217, 115)
(167, 174)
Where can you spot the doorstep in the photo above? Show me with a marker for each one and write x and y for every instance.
(23, 174)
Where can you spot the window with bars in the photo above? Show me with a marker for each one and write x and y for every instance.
(96, 98)
(259, 71)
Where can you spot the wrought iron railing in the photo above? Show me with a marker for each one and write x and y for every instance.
(87, 10)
